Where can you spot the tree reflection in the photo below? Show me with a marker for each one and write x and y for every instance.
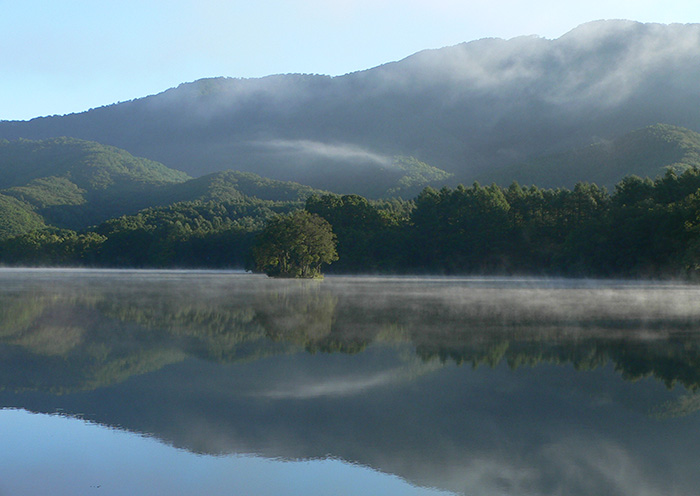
(301, 313)
(85, 337)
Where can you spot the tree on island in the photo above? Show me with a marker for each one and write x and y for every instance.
(295, 245)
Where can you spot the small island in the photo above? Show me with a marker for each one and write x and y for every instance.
(295, 246)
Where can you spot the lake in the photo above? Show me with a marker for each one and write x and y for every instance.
(184, 382)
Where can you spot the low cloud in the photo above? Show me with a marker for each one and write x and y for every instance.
(607, 62)
(599, 63)
(329, 151)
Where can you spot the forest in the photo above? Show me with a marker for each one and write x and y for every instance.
(643, 229)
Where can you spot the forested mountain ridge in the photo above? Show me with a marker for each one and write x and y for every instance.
(466, 109)
(89, 165)
(235, 186)
(404, 178)
(17, 217)
(646, 152)
(75, 184)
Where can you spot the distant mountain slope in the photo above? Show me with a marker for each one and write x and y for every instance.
(405, 177)
(412, 177)
(89, 165)
(646, 152)
(74, 183)
(17, 217)
(233, 185)
(466, 109)
(71, 183)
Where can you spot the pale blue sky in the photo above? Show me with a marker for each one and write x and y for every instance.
(68, 56)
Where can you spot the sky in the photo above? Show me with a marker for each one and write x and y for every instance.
(60, 57)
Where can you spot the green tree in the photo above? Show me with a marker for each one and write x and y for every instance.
(460, 230)
(47, 247)
(295, 245)
(359, 226)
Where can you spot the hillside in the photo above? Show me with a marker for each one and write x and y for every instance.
(72, 183)
(17, 217)
(467, 109)
(227, 186)
(646, 152)
(75, 183)
(89, 165)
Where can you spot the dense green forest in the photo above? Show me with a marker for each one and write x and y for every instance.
(643, 228)
(68, 202)
(188, 234)
(73, 184)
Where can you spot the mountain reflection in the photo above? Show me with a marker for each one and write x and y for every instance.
(112, 326)
(479, 386)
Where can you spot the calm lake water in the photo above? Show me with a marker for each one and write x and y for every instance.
(150, 382)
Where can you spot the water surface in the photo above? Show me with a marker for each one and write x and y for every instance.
(117, 382)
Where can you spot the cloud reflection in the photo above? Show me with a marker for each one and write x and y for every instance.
(337, 386)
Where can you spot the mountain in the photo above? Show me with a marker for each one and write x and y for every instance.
(17, 217)
(89, 165)
(230, 185)
(405, 177)
(646, 152)
(466, 109)
(74, 183)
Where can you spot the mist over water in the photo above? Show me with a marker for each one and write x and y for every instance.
(467, 385)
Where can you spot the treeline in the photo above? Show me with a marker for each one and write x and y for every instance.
(644, 228)
(188, 234)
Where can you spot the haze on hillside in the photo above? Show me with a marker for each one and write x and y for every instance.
(71, 56)
(468, 109)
